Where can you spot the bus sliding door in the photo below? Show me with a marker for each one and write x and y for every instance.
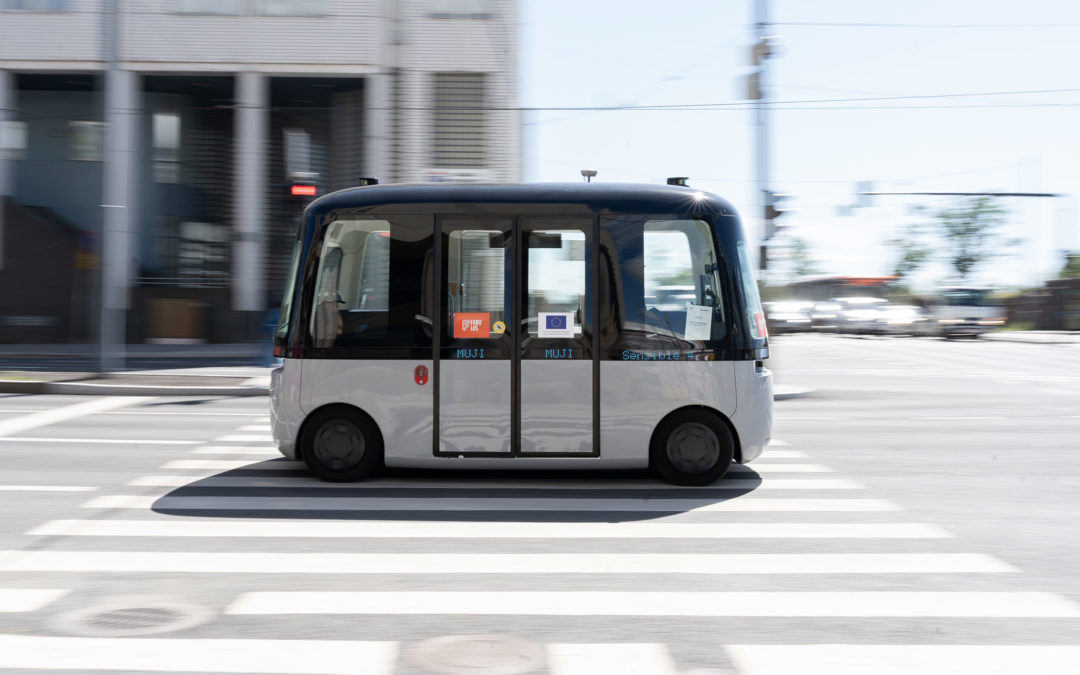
(476, 338)
(557, 374)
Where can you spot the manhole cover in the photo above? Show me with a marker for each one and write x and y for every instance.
(123, 616)
(476, 655)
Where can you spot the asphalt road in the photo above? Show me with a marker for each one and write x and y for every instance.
(918, 514)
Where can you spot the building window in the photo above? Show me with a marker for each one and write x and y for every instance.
(290, 7)
(252, 7)
(166, 136)
(297, 155)
(461, 9)
(87, 140)
(459, 121)
(12, 139)
(34, 5)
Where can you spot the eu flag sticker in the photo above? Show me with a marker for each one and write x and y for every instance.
(555, 324)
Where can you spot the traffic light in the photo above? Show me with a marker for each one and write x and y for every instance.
(772, 212)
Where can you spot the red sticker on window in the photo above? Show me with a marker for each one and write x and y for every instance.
(759, 324)
(420, 375)
(471, 325)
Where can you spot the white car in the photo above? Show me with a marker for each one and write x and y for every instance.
(862, 315)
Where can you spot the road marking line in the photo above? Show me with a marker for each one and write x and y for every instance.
(278, 464)
(787, 468)
(776, 443)
(501, 563)
(64, 413)
(847, 659)
(109, 441)
(46, 488)
(232, 438)
(381, 529)
(320, 657)
(778, 454)
(958, 418)
(230, 464)
(484, 504)
(270, 450)
(954, 604)
(27, 600)
(255, 427)
(625, 659)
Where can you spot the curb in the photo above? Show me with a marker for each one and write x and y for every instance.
(792, 392)
(86, 389)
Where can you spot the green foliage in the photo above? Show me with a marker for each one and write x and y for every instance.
(801, 256)
(913, 250)
(970, 233)
(1071, 270)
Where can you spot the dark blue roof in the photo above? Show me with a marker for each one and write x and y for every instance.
(618, 197)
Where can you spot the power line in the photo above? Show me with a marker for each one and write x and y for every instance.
(842, 24)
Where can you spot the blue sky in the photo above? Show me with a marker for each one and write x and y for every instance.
(630, 52)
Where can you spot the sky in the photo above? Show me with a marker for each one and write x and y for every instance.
(604, 53)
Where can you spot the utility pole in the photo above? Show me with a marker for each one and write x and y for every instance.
(758, 92)
(116, 193)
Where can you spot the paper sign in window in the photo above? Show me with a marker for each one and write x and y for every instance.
(555, 324)
(698, 322)
(471, 325)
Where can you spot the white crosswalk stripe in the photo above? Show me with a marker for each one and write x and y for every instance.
(28, 599)
(322, 657)
(501, 563)
(406, 529)
(634, 603)
(232, 510)
(846, 659)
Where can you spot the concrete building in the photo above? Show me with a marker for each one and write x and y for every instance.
(219, 107)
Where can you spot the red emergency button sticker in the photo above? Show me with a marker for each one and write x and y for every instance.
(420, 375)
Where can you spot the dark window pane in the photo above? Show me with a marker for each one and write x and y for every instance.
(355, 304)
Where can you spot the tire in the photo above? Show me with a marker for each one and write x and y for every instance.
(341, 444)
(692, 447)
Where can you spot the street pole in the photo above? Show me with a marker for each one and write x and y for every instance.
(116, 194)
(761, 119)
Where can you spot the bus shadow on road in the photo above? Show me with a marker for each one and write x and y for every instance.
(282, 489)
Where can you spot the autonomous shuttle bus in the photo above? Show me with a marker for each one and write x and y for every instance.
(566, 326)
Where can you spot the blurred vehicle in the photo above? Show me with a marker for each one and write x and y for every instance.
(963, 311)
(907, 320)
(862, 315)
(825, 316)
(788, 316)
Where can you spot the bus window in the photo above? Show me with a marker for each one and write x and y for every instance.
(667, 294)
(556, 284)
(354, 304)
(281, 335)
(755, 315)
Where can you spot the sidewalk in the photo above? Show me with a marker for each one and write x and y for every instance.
(219, 381)
(1044, 337)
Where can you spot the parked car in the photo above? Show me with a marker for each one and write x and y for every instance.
(825, 316)
(863, 315)
(788, 316)
(907, 320)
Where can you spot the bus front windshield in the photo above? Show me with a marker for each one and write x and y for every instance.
(281, 335)
(966, 297)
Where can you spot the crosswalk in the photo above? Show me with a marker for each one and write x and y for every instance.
(785, 566)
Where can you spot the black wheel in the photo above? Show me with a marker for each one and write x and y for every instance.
(692, 447)
(341, 444)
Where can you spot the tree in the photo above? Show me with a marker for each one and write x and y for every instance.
(970, 231)
(802, 261)
(913, 250)
(1071, 270)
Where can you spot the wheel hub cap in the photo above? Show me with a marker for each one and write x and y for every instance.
(339, 444)
(693, 448)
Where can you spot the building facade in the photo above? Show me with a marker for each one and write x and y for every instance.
(163, 141)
